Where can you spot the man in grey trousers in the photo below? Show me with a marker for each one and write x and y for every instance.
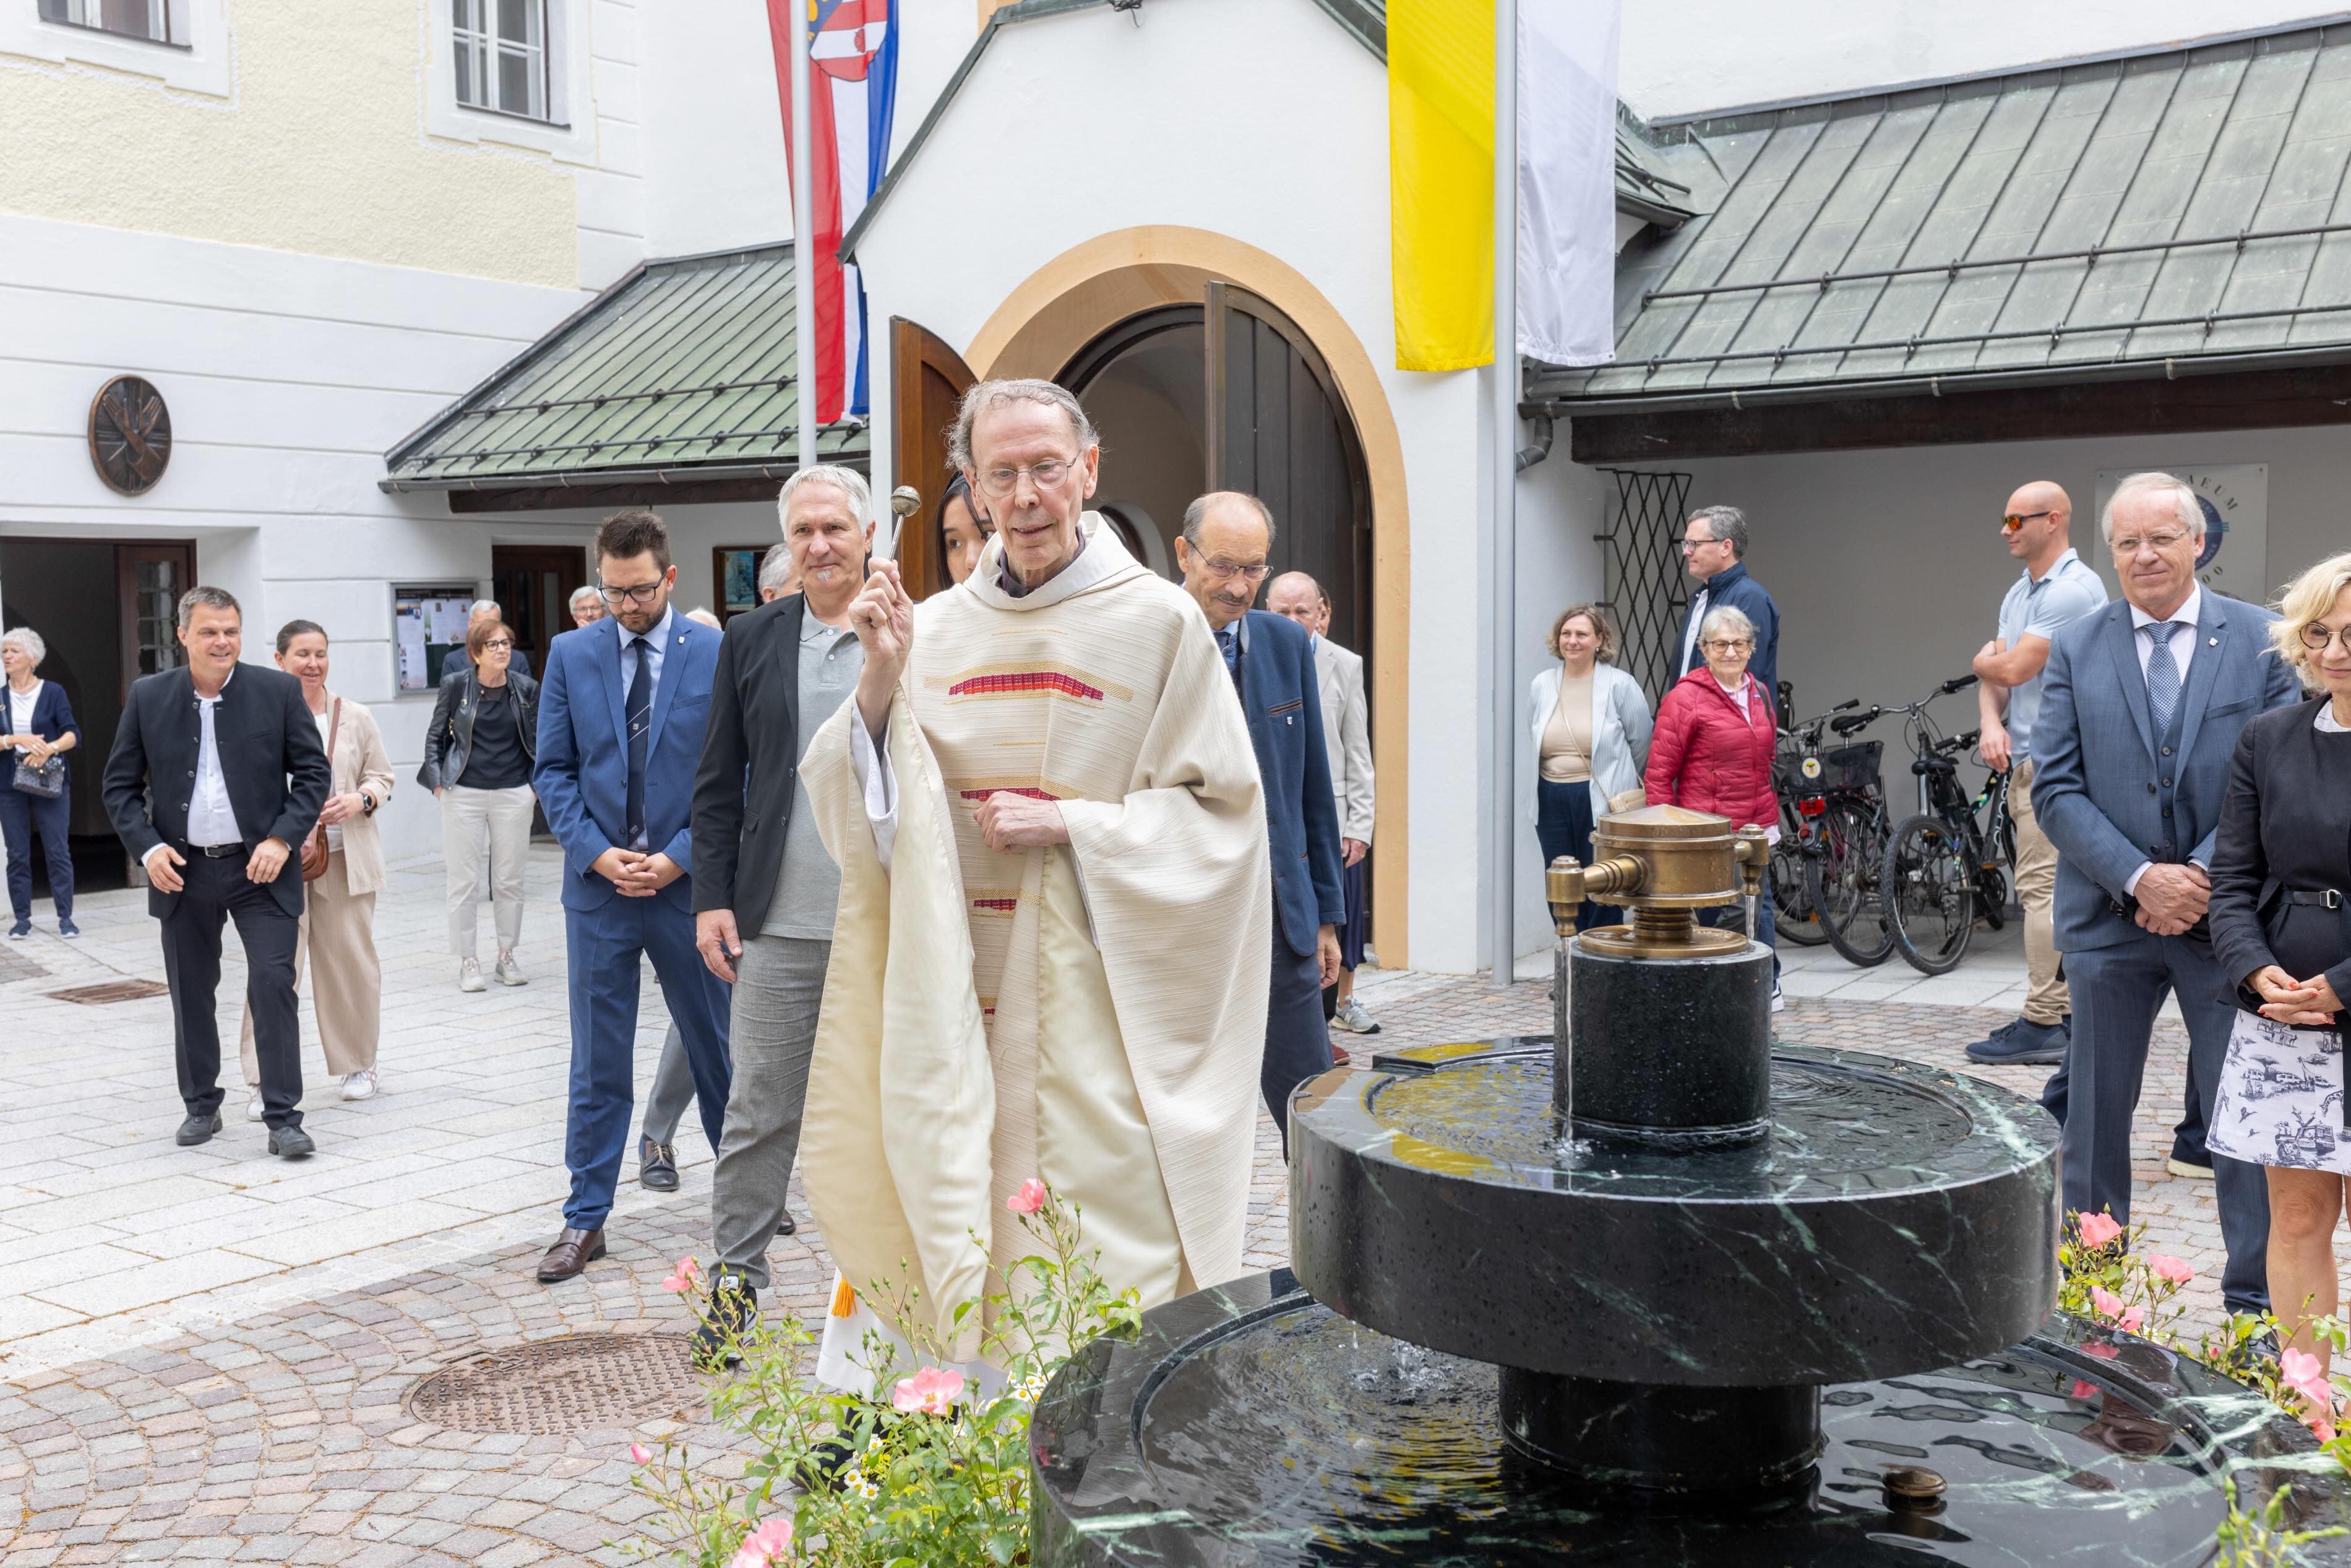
(764, 888)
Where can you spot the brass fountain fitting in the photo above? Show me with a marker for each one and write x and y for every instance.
(1662, 862)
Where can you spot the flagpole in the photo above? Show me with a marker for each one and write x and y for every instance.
(803, 236)
(1502, 390)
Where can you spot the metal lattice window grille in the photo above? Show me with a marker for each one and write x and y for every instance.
(1646, 588)
(500, 49)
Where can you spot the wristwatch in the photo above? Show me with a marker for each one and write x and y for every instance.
(367, 804)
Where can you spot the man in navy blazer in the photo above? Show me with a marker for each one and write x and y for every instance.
(621, 713)
(2141, 706)
(1227, 540)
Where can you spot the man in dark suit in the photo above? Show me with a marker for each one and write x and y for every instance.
(2141, 705)
(620, 720)
(1714, 553)
(765, 887)
(1224, 553)
(216, 775)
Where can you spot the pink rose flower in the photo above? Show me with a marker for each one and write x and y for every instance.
(765, 1544)
(2105, 1304)
(1028, 1199)
(2097, 1229)
(639, 1453)
(2300, 1371)
(687, 1274)
(932, 1391)
(2164, 1265)
(2131, 1320)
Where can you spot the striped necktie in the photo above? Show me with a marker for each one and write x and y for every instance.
(638, 710)
(2162, 676)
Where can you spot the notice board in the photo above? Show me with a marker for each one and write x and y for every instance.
(427, 621)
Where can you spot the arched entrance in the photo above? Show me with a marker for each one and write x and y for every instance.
(1229, 394)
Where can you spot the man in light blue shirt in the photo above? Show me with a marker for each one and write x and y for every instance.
(2056, 589)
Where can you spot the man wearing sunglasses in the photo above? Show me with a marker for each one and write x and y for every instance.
(2058, 589)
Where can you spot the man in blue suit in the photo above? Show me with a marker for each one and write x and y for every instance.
(621, 718)
(1224, 554)
(2141, 706)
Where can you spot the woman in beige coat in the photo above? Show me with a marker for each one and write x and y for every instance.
(337, 931)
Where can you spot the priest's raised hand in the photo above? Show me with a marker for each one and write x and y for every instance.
(883, 618)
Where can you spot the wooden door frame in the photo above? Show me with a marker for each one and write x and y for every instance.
(919, 458)
(127, 554)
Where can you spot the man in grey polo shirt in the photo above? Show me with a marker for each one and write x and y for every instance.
(2056, 589)
(764, 919)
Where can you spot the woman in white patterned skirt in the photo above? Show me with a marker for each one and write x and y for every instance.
(2281, 918)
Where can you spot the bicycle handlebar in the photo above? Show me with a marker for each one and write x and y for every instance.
(1960, 684)
(1851, 722)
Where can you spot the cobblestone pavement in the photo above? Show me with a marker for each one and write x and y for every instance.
(207, 1352)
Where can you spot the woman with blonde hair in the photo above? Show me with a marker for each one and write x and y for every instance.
(2281, 921)
(1590, 725)
(477, 760)
(342, 869)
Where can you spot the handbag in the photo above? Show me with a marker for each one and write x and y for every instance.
(42, 780)
(314, 846)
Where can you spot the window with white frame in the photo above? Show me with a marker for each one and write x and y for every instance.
(501, 54)
(149, 19)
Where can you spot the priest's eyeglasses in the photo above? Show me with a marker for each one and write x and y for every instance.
(1000, 483)
(2316, 636)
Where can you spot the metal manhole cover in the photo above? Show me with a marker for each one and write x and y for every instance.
(112, 991)
(577, 1384)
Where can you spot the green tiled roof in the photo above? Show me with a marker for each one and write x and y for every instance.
(684, 370)
(2131, 216)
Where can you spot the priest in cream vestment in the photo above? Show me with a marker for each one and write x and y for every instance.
(1050, 956)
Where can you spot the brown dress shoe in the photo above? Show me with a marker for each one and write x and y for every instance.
(572, 1253)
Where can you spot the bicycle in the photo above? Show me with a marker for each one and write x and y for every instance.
(1842, 823)
(1944, 870)
(1795, 764)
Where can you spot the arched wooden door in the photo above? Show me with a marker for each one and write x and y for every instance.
(927, 379)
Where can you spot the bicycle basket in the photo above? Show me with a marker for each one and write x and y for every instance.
(1854, 766)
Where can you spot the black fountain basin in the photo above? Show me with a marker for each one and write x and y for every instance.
(1894, 1218)
(1250, 1425)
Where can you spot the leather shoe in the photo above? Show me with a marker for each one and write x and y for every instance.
(734, 1313)
(291, 1144)
(656, 1165)
(2022, 1044)
(787, 1225)
(572, 1253)
(197, 1130)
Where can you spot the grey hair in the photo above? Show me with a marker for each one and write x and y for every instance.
(1729, 525)
(481, 607)
(848, 481)
(2183, 500)
(775, 566)
(985, 395)
(1196, 517)
(1726, 618)
(24, 637)
(585, 591)
(211, 599)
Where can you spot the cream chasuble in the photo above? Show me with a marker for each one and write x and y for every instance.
(1093, 1013)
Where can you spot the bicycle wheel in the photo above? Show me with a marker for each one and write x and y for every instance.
(1930, 895)
(1843, 877)
(1792, 897)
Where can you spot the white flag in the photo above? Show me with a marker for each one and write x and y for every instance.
(1567, 180)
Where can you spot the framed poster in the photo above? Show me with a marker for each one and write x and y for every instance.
(2235, 498)
(735, 578)
(427, 621)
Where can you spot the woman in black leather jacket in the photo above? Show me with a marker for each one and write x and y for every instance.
(2282, 931)
(478, 761)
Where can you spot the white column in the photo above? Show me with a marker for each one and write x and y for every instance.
(803, 231)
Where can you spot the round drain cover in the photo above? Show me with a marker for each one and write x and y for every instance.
(576, 1384)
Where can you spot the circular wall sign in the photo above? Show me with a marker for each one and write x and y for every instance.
(130, 434)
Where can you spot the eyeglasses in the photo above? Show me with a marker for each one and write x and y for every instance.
(998, 484)
(2316, 636)
(2158, 542)
(497, 645)
(2015, 520)
(1691, 547)
(1219, 566)
(642, 593)
(1730, 645)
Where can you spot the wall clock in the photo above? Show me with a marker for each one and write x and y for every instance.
(130, 434)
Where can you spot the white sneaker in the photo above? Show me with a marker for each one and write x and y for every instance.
(253, 1107)
(1352, 1018)
(469, 976)
(359, 1085)
(508, 972)
(1776, 1001)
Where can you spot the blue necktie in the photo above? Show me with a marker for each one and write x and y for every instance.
(2162, 676)
(639, 710)
(1228, 643)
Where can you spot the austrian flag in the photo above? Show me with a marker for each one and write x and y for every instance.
(852, 87)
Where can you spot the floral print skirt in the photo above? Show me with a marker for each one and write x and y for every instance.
(2279, 1101)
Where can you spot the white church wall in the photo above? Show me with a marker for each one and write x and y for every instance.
(714, 133)
(1715, 54)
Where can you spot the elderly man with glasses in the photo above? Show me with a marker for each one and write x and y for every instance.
(1049, 960)
(2141, 705)
(1714, 552)
(2056, 589)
